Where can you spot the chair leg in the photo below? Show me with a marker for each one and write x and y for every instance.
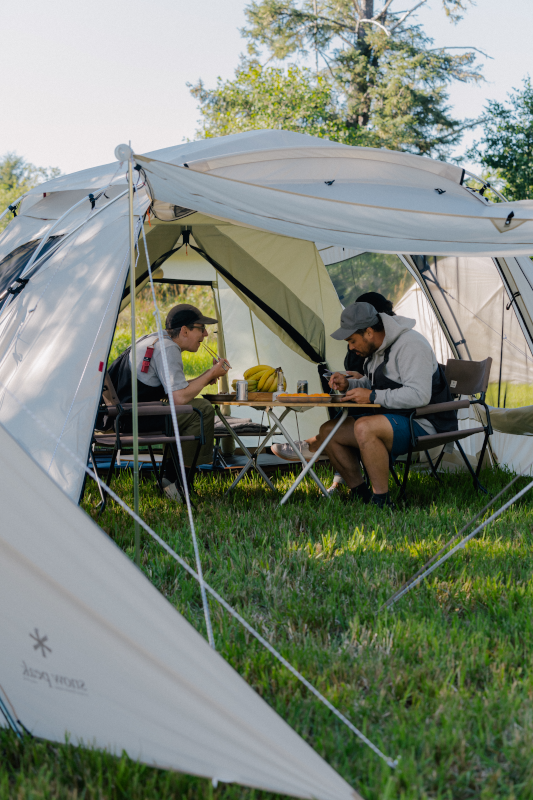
(108, 480)
(393, 472)
(439, 459)
(93, 462)
(192, 469)
(158, 477)
(477, 484)
(482, 455)
(406, 474)
(432, 465)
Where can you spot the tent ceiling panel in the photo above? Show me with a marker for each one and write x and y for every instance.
(375, 218)
(273, 302)
(90, 648)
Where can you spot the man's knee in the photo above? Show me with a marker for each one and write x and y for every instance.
(207, 408)
(326, 428)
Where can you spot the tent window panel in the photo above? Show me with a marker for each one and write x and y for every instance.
(12, 265)
(472, 301)
(369, 272)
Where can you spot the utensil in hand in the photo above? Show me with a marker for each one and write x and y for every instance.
(212, 353)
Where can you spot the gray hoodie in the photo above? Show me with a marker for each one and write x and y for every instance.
(411, 362)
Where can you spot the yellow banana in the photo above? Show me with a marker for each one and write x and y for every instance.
(253, 371)
(273, 385)
(265, 378)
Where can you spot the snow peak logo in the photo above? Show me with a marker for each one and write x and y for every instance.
(53, 680)
(40, 642)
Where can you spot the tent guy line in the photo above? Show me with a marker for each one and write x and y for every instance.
(175, 426)
(462, 544)
(397, 594)
(389, 761)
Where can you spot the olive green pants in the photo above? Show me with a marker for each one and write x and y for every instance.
(189, 425)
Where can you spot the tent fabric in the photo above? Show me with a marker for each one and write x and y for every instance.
(372, 205)
(91, 649)
(518, 421)
(54, 338)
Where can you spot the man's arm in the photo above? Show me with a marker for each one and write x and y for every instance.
(414, 363)
(183, 396)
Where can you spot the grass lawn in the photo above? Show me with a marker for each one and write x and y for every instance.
(444, 682)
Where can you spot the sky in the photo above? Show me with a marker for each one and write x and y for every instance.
(81, 77)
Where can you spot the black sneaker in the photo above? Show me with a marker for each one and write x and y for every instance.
(361, 492)
(382, 501)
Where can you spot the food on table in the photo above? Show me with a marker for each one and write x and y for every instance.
(262, 379)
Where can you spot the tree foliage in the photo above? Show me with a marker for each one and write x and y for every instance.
(506, 147)
(18, 176)
(377, 80)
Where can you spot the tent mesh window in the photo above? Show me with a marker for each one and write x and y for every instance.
(369, 272)
(475, 307)
(12, 265)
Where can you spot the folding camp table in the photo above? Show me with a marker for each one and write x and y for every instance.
(276, 422)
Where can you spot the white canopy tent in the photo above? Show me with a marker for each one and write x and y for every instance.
(91, 649)
(255, 204)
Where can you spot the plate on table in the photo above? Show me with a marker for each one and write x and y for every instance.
(220, 398)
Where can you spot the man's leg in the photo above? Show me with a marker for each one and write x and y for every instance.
(189, 425)
(373, 437)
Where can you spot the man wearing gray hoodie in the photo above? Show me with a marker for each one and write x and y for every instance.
(401, 373)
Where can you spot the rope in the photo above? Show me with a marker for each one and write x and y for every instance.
(212, 592)
(463, 542)
(180, 452)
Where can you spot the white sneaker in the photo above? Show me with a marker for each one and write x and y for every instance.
(286, 452)
(335, 487)
(171, 490)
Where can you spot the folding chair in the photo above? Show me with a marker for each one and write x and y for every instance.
(114, 413)
(464, 378)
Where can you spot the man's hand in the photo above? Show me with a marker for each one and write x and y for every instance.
(338, 381)
(359, 395)
(219, 369)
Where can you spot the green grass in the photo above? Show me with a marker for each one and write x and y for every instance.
(512, 395)
(444, 682)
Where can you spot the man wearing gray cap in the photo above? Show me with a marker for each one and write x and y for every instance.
(401, 373)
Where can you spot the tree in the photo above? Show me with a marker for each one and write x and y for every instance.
(506, 148)
(380, 82)
(18, 176)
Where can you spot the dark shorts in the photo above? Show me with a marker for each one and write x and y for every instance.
(400, 428)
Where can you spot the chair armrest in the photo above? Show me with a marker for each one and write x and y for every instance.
(437, 408)
(148, 410)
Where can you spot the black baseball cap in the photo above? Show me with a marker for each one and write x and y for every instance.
(185, 314)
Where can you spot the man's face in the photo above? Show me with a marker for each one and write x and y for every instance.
(193, 337)
(364, 344)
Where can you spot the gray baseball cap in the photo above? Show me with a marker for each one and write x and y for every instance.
(355, 317)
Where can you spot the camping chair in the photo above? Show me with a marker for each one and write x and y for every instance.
(116, 412)
(464, 378)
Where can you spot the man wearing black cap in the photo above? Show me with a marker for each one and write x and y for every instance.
(185, 331)
(401, 373)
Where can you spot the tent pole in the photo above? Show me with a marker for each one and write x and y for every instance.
(134, 409)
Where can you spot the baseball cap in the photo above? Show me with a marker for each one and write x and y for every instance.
(185, 314)
(355, 317)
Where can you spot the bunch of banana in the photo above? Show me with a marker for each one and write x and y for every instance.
(266, 377)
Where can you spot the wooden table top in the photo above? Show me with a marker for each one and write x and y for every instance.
(288, 404)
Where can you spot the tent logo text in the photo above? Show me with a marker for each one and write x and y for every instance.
(40, 642)
(53, 680)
